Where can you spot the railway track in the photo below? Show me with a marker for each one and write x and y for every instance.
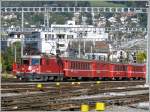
(51, 97)
(44, 101)
(107, 83)
(30, 87)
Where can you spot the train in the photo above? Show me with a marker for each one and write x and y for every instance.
(55, 68)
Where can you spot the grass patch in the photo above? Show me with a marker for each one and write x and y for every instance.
(105, 4)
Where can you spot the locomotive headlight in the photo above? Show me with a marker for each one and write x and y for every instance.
(33, 70)
(29, 68)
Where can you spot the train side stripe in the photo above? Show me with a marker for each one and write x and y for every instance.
(102, 70)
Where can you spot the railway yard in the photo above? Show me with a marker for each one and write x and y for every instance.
(88, 56)
(69, 96)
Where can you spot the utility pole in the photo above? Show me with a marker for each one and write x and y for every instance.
(46, 18)
(0, 41)
(22, 21)
(148, 44)
(79, 49)
(84, 46)
(93, 18)
(79, 44)
(22, 46)
(15, 55)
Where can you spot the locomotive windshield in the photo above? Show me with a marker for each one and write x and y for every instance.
(35, 61)
(25, 62)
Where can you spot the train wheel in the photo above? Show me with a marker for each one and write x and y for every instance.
(25, 79)
(131, 79)
(99, 78)
(65, 79)
(117, 78)
(126, 78)
(110, 78)
(104, 79)
(139, 78)
(80, 78)
(61, 78)
(120, 78)
(45, 78)
(134, 78)
(113, 78)
(20, 78)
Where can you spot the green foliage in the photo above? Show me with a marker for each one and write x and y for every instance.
(59, 18)
(8, 57)
(143, 19)
(105, 4)
(141, 56)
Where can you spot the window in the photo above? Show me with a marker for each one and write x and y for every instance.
(74, 65)
(46, 37)
(137, 69)
(82, 65)
(88, 66)
(35, 61)
(49, 36)
(61, 36)
(61, 45)
(69, 36)
(52, 37)
(71, 65)
(79, 65)
(120, 68)
(26, 62)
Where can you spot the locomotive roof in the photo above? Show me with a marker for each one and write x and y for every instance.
(31, 56)
(86, 60)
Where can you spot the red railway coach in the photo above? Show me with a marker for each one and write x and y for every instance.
(78, 69)
(137, 71)
(56, 68)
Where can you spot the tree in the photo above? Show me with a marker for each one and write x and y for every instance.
(141, 56)
(7, 59)
(8, 56)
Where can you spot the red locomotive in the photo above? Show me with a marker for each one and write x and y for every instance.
(56, 68)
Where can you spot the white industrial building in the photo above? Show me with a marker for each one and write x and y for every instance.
(62, 35)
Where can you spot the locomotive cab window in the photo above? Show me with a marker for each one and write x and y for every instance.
(25, 61)
(35, 61)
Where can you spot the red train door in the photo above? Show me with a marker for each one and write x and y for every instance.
(93, 69)
(14, 68)
(111, 70)
(144, 70)
(66, 67)
(129, 71)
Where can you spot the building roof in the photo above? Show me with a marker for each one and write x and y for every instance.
(97, 47)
